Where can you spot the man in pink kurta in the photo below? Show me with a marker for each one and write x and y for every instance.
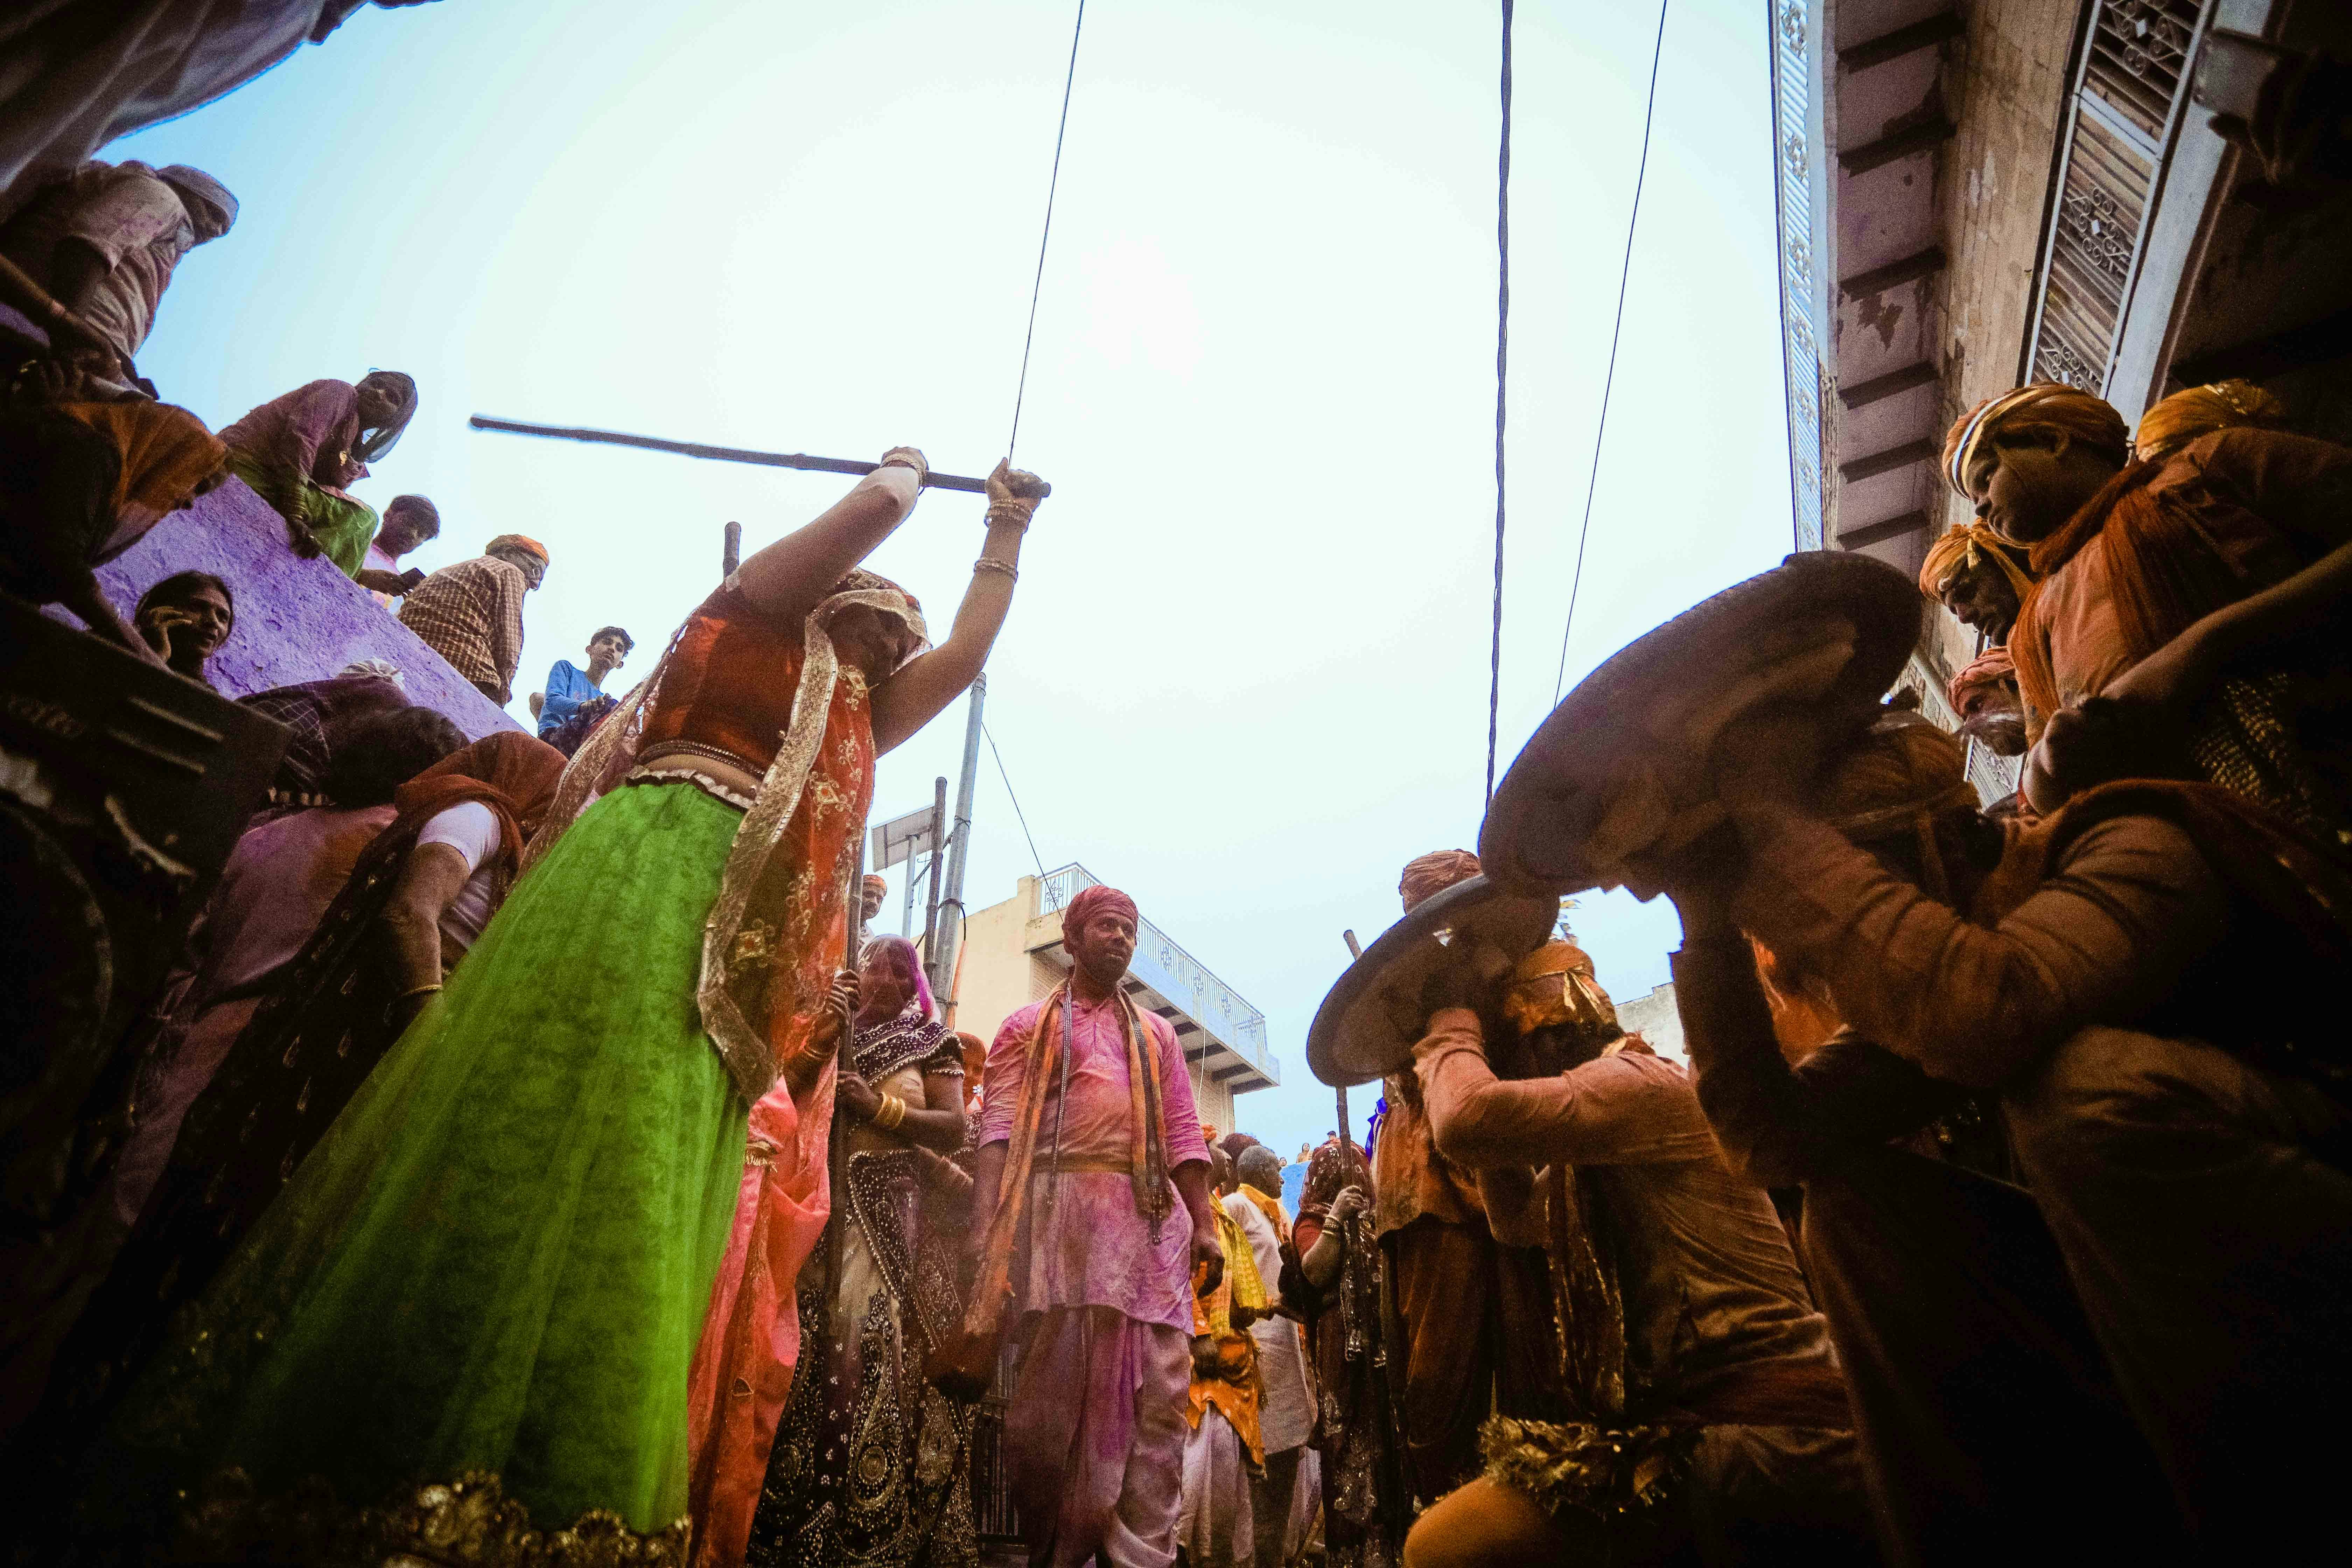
(1094, 1435)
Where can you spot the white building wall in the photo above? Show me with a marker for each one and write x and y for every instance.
(1656, 1020)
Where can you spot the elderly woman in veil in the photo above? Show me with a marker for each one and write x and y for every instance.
(489, 1276)
(876, 1296)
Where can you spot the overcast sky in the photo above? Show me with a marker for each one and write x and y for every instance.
(1245, 674)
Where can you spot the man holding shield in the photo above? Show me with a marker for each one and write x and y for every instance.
(1700, 1399)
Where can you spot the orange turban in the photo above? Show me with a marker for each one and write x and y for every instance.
(529, 546)
(1426, 875)
(1555, 985)
(1991, 669)
(1899, 781)
(1967, 544)
(2201, 410)
(2044, 405)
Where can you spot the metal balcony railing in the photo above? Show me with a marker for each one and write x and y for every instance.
(1162, 964)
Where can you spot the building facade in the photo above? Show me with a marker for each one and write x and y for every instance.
(1012, 955)
(1976, 193)
(1657, 1020)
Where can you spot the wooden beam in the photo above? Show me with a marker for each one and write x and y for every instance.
(1878, 532)
(1878, 279)
(1924, 137)
(1876, 463)
(1862, 394)
(1903, 41)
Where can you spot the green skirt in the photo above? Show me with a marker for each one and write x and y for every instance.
(500, 1257)
(343, 526)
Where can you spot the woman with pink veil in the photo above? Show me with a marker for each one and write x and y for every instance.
(868, 1464)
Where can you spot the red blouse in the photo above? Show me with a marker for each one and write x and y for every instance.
(730, 682)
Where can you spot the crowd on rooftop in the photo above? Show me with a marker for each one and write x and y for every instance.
(527, 1159)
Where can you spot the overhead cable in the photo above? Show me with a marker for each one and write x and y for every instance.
(1502, 383)
(1632, 222)
(1053, 184)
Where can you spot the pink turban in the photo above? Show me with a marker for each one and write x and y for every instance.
(1429, 875)
(1091, 903)
(1986, 676)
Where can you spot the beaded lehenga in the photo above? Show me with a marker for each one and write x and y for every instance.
(1357, 1428)
(870, 1465)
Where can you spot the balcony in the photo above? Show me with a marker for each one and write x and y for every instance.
(1213, 1025)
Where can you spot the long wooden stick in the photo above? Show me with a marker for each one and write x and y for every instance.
(934, 480)
(1355, 951)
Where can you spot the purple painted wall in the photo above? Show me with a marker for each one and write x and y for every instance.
(296, 620)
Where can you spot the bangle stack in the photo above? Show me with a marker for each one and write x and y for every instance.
(990, 563)
(889, 1113)
(1014, 512)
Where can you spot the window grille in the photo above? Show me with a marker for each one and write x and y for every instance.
(1995, 777)
(2139, 53)
(2130, 87)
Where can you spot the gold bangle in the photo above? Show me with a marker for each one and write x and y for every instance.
(891, 1112)
(1012, 513)
(420, 990)
(990, 563)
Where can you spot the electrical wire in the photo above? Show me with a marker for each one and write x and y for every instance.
(1592, 482)
(1053, 184)
(1015, 798)
(1502, 383)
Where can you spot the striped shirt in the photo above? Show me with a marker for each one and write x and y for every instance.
(471, 615)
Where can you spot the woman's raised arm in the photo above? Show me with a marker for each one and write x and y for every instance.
(787, 579)
(928, 682)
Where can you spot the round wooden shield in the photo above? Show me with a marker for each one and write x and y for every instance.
(1368, 1024)
(1547, 808)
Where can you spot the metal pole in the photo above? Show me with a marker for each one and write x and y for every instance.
(959, 847)
(939, 853)
(732, 556)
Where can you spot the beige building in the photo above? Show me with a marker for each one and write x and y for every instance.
(1012, 955)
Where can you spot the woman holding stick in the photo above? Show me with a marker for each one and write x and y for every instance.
(490, 1275)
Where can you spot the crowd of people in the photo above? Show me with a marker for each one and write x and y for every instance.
(529, 1160)
(629, 1174)
(95, 460)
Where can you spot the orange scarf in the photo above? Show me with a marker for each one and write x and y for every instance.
(1042, 1053)
(2164, 571)
(1271, 1209)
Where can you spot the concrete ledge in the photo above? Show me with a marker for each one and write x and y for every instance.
(296, 620)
